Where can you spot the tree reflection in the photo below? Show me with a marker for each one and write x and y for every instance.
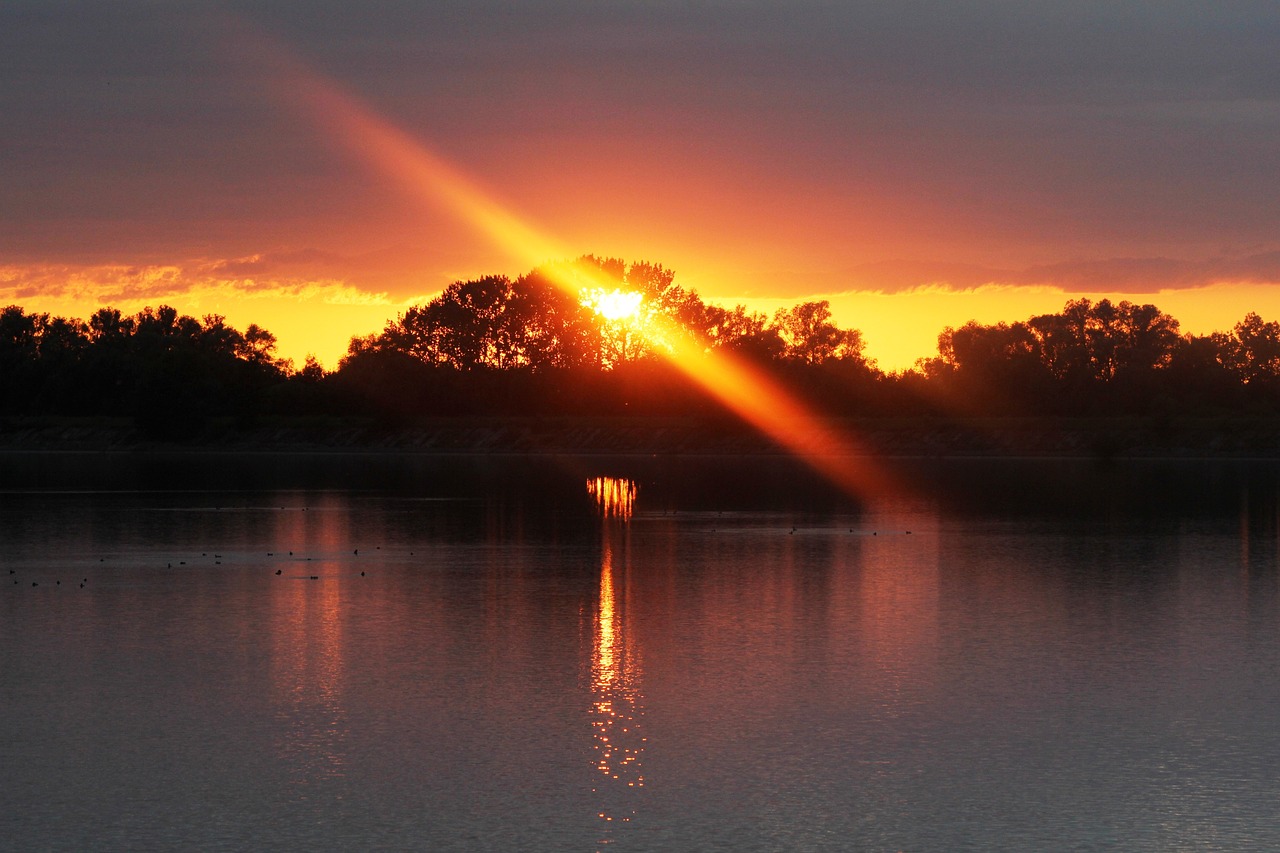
(617, 700)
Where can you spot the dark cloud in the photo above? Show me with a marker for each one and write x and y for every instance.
(1120, 275)
(1021, 132)
(1147, 275)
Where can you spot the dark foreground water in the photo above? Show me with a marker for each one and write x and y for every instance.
(363, 652)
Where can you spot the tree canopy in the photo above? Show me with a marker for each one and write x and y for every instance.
(168, 370)
(540, 344)
(536, 322)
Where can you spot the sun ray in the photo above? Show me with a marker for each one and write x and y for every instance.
(742, 388)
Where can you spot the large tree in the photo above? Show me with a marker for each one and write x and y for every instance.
(809, 335)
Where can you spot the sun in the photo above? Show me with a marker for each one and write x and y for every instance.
(617, 305)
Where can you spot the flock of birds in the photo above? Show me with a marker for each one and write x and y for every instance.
(217, 558)
(83, 581)
(217, 561)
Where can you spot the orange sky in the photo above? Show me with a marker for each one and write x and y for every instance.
(899, 327)
(918, 167)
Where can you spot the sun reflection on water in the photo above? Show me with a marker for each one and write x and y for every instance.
(307, 674)
(308, 660)
(617, 701)
(615, 496)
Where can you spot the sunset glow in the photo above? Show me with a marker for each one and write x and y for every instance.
(748, 393)
(564, 424)
(615, 304)
(896, 165)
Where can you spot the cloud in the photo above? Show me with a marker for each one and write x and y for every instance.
(1150, 275)
(1133, 275)
(231, 280)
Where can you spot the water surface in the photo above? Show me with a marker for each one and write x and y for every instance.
(364, 652)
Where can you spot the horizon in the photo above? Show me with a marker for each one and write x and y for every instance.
(902, 332)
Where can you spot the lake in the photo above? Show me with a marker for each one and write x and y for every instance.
(338, 652)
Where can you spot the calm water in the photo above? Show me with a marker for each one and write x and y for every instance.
(636, 654)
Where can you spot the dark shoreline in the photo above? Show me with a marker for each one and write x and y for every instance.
(1231, 437)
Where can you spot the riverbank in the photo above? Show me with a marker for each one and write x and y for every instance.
(1230, 437)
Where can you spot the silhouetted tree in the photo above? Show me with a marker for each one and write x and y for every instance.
(739, 331)
(19, 354)
(1147, 336)
(810, 337)
(1251, 351)
(990, 368)
(1091, 357)
(535, 345)
(1196, 381)
(493, 322)
(1063, 342)
(168, 370)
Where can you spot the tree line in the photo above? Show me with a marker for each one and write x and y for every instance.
(169, 371)
(532, 346)
(1104, 358)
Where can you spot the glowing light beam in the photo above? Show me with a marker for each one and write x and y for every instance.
(743, 389)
